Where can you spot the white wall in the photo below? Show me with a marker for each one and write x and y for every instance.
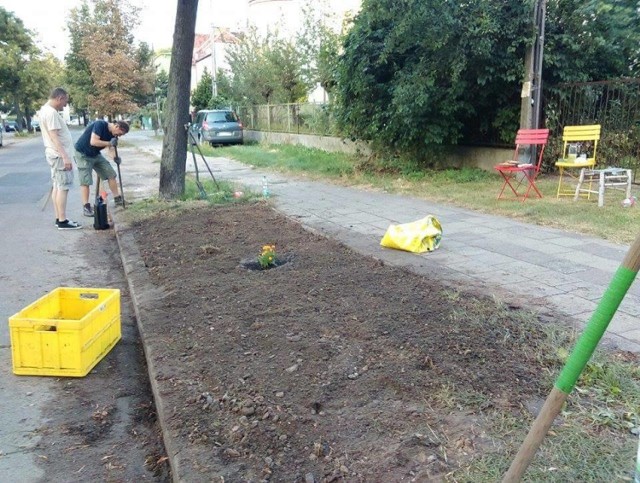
(208, 62)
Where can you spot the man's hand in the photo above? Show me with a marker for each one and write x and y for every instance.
(117, 159)
(114, 142)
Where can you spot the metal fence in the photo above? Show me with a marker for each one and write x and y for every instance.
(315, 119)
(613, 104)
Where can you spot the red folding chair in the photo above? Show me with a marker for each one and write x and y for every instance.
(518, 171)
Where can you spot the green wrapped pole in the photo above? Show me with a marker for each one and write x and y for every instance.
(587, 343)
(636, 477)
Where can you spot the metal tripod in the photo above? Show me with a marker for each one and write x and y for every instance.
(193, 142)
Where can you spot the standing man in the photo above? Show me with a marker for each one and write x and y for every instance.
(58, 151)
(97, 136)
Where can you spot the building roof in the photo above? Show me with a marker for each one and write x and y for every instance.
(202, 42)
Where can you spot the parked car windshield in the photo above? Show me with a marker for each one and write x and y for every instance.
(226, 116)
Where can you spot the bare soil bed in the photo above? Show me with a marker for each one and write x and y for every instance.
(329, 367)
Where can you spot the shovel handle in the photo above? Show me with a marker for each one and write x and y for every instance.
(538, 431)
(115, 152)
(578, 358)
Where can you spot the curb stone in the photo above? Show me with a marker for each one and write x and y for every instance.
(143, 295)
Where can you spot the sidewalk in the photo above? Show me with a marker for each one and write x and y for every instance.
(530, 264)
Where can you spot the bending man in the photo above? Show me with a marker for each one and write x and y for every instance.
(97, 136)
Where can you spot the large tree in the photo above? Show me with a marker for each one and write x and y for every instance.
(591, 40)
(144, 91)
(174, 143)
(77, 71)
(415, 73)
(41, 74)
(113, 74)
(16, 50)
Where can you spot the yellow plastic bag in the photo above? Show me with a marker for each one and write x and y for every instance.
(417, 237)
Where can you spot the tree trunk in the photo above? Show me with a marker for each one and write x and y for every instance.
(174, 143)
(16, 106)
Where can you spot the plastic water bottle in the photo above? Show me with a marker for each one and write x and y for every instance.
(265, 187)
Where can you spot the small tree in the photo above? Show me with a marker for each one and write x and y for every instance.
(201, 95)
(266, 70)
(252, 75)
(319, 43)
(162, 84)
(285, 60)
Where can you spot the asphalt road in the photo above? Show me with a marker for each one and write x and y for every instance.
(100, 427)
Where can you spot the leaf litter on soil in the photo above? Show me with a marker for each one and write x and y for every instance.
(330, 367)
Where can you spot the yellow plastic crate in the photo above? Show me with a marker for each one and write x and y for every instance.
(66, 332)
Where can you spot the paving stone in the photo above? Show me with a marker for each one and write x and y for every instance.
(623, 323)
(571, 304)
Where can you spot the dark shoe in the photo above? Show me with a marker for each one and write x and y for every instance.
(87, 210)
(68, 225)
(118, 201)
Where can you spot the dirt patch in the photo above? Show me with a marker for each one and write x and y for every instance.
(328, 367)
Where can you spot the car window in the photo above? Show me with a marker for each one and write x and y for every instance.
(222, 116)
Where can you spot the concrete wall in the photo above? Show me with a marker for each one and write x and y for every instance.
(326, 143)
(477, 157)
(455, 156)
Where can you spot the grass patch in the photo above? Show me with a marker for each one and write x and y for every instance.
(569, 453)
(25, 134)
(287, 158)
(594, 438)
(224, 193)
(469, 188)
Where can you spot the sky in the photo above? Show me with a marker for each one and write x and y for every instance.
(48, 18)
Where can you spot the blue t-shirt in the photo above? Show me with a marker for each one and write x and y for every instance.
(83, 144)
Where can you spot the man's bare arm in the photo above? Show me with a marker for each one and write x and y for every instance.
(97, 142)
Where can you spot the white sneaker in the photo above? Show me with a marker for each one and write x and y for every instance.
(68, 225)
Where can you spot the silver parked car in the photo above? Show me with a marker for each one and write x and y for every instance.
(218, 126)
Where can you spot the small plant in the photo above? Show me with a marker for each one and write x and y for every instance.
(267, 257)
